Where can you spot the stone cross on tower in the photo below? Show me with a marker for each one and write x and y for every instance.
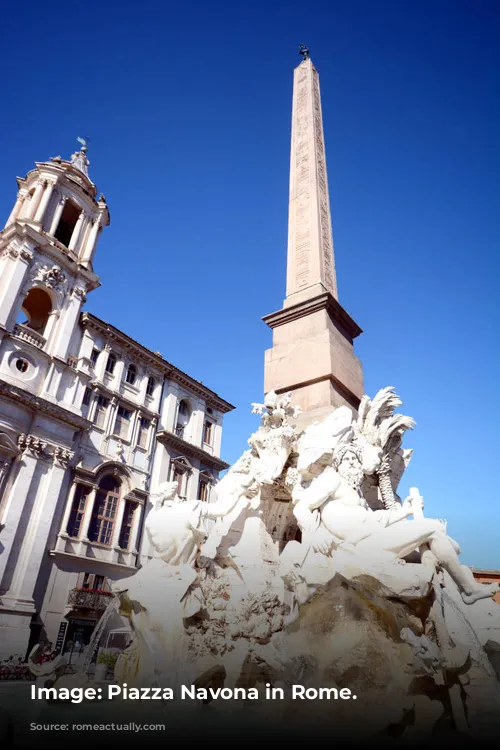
(312, 353)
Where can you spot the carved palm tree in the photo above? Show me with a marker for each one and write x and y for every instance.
(380, 427)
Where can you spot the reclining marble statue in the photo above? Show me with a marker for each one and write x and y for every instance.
(332, 513)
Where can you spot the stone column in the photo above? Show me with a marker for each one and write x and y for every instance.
(134, 430)
(91, 241)
(57, 214)
(111, 416)
(87, 518)
(44, 202)
(217, 439)
(100, 367)
(35, 200)
(16, 210)
(134, 533)
(76, 231)
(118, 372)
(115, 538)
(51, 327)
(93, 405)
(5, 466)
(152, 436)
(63, 530)
(4, 470)
(196, 425)
(194, 481)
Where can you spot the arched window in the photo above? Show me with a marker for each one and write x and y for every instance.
(131, 376)
(151, 387)
(183, 416)
(104, 511)
(67, 223)
(35, 310)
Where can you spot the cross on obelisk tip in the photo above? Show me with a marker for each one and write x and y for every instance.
(304, 51)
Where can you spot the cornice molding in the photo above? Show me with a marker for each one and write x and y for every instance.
(189, 449)
(32, 401)
(340, 318)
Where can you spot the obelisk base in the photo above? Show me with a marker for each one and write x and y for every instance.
(313, 357)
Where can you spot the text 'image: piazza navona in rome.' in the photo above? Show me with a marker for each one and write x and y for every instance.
(122, 545)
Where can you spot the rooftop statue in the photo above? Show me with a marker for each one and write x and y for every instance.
(79, 159)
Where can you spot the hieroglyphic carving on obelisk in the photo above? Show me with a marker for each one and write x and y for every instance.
(311, 267)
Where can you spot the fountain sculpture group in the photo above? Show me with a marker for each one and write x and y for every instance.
(369, 595)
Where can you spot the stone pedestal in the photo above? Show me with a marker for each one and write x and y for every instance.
(313, 356)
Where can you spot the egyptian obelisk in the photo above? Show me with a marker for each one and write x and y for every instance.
(312, 353)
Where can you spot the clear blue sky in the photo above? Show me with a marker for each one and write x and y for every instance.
(188, 106)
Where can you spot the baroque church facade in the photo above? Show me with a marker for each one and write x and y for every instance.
(91, 422)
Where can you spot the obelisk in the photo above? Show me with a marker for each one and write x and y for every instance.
(312, 353)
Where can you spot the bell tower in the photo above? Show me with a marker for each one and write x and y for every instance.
(46, 256)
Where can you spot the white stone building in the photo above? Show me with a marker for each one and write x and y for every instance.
(90, 421)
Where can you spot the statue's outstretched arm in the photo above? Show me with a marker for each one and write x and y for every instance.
(222, 509)
(393, 515)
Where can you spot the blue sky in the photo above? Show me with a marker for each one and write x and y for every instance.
(188, 112)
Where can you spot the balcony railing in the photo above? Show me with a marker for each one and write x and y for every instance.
(29, 335)
(89, 598)
(179, 431)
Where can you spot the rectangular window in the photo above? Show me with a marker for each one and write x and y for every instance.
(77, 510)
(150, 389)
(122, 423)
(100, 412)
(94, 356)
(178, 476)
(94, 582)
(111, 363)
(207, 432)
(128, 520)
(203, 490)
(86, 397)
(144, 425)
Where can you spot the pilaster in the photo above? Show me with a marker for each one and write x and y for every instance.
(68, 320)
(35, 540)
(14, 269)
